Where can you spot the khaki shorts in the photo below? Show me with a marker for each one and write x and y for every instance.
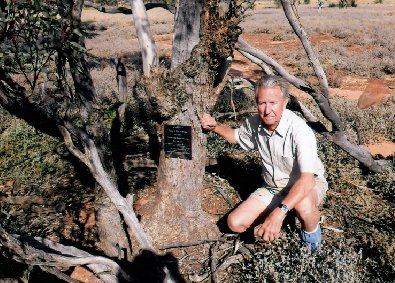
(272, 199)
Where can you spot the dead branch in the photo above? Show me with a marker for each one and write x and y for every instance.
(105, 180)
(190, 244)
(300, 32)
(258, 62)
(333, 229)
(232, 114)
(35, 252)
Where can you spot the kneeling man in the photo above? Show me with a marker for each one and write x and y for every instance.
(293, 175)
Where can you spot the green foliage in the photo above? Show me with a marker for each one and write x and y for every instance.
(36, 36)
(26, 153)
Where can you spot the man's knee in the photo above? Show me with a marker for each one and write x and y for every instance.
(236, 224)
(307, 206)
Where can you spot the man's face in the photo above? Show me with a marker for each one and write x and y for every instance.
(271, 106)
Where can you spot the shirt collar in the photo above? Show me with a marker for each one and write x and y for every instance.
(282, 127)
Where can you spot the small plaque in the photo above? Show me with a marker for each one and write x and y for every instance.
(178, 141)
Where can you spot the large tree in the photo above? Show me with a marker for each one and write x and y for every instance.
(44, 38)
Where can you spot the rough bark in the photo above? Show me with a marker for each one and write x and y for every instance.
(110, 228)
(186, 30)
(177, 207)
(179, 97)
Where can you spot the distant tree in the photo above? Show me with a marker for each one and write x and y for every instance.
(42, 41)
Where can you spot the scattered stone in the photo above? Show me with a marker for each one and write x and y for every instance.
(384, 149)
(84, 275)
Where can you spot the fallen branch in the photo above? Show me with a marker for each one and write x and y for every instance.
(333, 229)
(188, 244)
(41, 252)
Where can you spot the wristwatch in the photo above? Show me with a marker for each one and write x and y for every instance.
(284, 208)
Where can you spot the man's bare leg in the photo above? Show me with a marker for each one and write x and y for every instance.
(246, 214)
(307, 211)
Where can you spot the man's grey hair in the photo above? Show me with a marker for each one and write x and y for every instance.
(272, 81)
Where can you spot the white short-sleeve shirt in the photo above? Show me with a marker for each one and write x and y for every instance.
(290, 150)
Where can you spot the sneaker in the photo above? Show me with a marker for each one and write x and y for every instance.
(311, 240)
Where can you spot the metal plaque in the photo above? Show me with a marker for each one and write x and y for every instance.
(178, 141)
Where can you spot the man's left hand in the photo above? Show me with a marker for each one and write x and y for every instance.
(270, 229)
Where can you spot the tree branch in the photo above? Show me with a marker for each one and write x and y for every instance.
(146, 40)
(127, 11)
(300, 32)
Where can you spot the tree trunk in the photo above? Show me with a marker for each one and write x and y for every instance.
(186, 36)
(177, 215)
(113, 239)
(146, 40)
(179, 98)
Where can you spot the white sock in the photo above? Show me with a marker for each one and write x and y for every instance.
(312, 232)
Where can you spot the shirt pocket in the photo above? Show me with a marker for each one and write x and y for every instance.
(287, 164)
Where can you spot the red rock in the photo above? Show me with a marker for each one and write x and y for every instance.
(84, 275)
(375, 92)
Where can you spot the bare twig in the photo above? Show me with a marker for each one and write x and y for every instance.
(224, 195)
(231, 114)
(333, 229)
(188, 244)
(214, 262)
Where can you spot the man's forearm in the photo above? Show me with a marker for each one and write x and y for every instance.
(227, 133)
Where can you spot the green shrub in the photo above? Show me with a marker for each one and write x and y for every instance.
(26, 154)
(288, 261)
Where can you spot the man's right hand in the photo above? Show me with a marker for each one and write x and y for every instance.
(208, 122)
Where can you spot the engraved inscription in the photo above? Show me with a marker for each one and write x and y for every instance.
(178, 141)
